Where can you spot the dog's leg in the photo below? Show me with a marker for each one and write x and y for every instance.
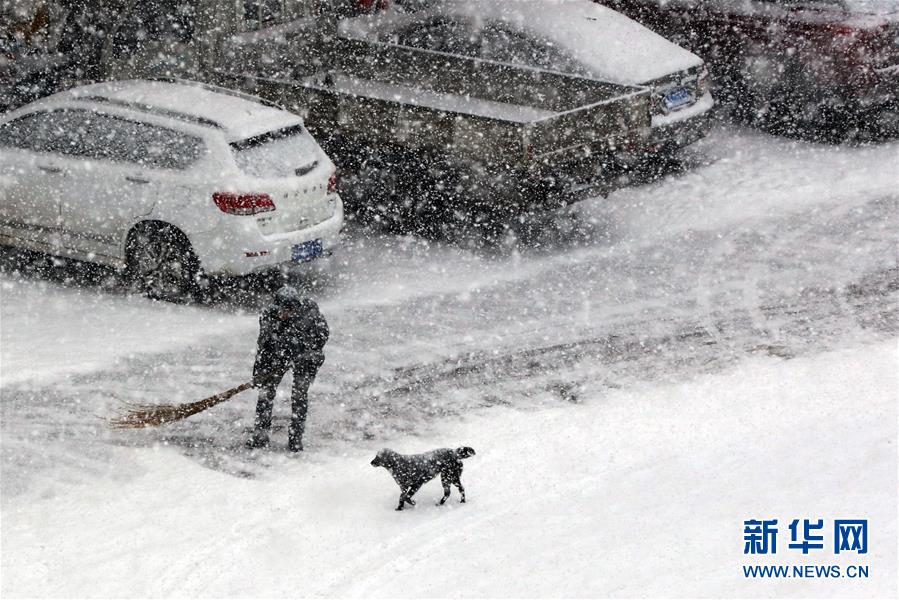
(461, 489)
(411, 492)
(446, 489)
(406, 496)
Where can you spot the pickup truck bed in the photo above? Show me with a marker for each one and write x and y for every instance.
(444, 102)
(541, 136)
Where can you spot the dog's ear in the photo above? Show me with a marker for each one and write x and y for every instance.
(465, 451)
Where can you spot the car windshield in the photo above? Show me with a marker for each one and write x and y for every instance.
(490, 41)
(284, 152)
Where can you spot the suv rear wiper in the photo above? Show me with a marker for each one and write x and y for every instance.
(267, 137)
(300, 171)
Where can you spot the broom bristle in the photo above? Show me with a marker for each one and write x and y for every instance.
(143, 415)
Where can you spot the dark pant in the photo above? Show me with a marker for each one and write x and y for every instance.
(303, 376)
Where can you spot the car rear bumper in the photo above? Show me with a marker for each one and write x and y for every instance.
(245, 250)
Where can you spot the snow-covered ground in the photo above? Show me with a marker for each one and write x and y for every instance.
(638, 380)
(51, 331)
(641, 492)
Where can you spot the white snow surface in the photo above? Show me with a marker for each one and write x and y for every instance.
(637, 380)
(606, 43)
(641, 492)
(48, 332)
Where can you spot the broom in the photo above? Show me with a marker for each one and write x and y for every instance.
(153, 415)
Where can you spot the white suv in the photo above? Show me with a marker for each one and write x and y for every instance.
(167, 180)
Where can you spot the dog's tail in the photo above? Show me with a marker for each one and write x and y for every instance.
(464, 451)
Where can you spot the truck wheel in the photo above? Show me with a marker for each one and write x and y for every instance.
(161, 264)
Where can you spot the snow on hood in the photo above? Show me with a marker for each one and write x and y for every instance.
(609, 45)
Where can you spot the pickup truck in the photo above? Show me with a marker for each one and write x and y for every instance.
(417, 131)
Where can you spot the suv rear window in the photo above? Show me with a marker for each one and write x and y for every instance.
(287, 152)
(80, 133)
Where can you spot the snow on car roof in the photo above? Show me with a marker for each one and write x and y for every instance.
(610, 45)
(239, 116)
(878, 7)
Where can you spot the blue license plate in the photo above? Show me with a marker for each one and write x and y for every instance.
(678, 98)
(306, 251)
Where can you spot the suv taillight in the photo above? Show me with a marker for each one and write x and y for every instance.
(332, 183)
(243, 204)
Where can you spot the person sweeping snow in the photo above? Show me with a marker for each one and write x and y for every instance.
(292, 335)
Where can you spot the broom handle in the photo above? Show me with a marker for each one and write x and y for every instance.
(227, 395)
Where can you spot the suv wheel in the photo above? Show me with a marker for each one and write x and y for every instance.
(161, 264)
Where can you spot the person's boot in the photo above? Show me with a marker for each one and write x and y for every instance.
(263, 421)
(295, 438)
(259, 440)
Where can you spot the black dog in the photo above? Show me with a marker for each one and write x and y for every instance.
(413, 471)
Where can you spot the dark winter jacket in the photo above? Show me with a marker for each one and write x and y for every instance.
(297, 342)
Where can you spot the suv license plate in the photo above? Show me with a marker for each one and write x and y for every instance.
(678, 99)
(306, 251)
